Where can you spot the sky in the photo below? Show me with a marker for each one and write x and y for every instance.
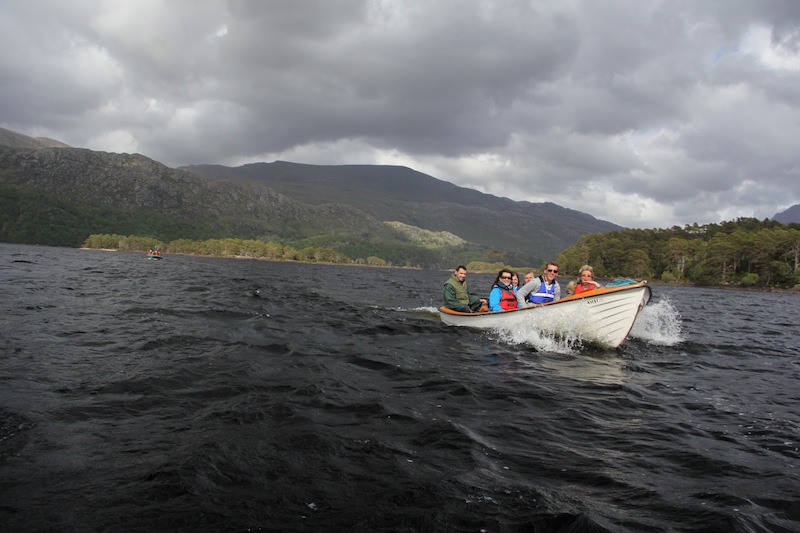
(644, 113)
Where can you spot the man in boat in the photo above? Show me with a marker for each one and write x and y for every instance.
(542, 289)
(528, 277)
(456, 293)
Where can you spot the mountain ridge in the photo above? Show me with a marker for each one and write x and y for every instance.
(414, 198)
(788, 216)
(346, 207)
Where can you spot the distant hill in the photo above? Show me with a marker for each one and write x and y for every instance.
(789, 215)
(13, 139)
(524, 232)
(51, 193)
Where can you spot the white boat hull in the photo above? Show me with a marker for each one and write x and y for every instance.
(602, 317)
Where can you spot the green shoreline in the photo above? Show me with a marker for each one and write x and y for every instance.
(792, 290)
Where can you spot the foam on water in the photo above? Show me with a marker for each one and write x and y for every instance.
(659, 323)
(560, 334)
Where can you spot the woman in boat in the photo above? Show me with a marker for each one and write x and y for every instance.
(586, 282)
(515, 280)
(503, 295)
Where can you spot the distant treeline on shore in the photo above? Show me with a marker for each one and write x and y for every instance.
(230, 247)
(744, 253)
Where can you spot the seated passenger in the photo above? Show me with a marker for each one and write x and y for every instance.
(586, 282)
(571, 288)
(528, 277)
(542, 289)
(503, 295)
(456, 293)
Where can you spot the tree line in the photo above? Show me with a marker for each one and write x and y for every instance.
(228, 247)
(745, 252)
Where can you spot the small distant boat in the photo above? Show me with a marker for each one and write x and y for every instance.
(155, 255)
(601, 317)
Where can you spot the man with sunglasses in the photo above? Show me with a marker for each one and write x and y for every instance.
(542, 289)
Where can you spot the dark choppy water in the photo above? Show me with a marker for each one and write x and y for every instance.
(139, 395)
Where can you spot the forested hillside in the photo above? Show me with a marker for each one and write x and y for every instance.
(745, 252)
(54, 194)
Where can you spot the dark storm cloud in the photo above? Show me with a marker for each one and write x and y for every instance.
(648, 114)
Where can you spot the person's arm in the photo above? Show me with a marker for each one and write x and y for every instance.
(450, 300)
(524, 291)
(592, 285)
(476, 302)
(516, 291)
(557, 292)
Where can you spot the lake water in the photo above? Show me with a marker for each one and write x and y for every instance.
(199, 394)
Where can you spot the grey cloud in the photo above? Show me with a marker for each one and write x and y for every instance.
(644, 103)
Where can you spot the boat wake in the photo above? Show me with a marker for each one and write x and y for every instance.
(658, 323)
(557, 339)
(561, 333)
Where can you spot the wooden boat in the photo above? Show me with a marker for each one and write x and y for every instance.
(602, 317)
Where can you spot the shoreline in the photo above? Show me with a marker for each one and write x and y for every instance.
(792, 290)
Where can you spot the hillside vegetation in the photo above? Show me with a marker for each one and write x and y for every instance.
(745, 252)
(54, 194)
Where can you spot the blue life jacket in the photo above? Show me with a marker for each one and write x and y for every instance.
(545, 294)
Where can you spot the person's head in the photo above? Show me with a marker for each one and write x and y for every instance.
(461, 272)
(504, 277)
(550, 272)
(514, 279)
(586, 273)
(528, 277)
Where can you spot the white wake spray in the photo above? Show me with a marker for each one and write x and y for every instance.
(659, 323)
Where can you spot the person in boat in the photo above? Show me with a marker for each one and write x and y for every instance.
(503, 295)
(542, 289)
(571, 287)
(515, 280)
(456, 293)
(528, 277)
(586, 282)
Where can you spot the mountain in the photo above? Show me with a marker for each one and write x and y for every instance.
(526, 233)
(13, 139)
(99, 192)
(51, 193)
(789, 215)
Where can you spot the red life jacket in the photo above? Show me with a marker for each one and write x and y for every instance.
(508, 300)
(579, 288)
